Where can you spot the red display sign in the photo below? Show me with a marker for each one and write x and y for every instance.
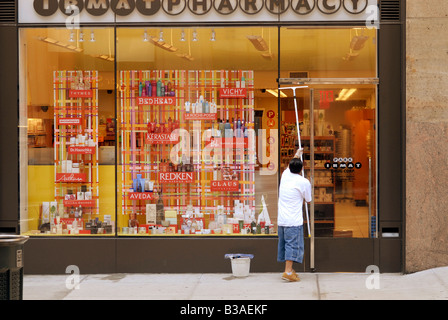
(200, 116)
(77, 203)
(69, 121)
(232, 92)
(156, 101)
(225, 185)
(80, 93)
(70, 177)
(161, 138)
(81, 150)
(140, 196)
(236, 143)
(325, 97)
(176, 177)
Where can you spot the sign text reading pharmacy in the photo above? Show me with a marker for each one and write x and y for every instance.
(123, 8)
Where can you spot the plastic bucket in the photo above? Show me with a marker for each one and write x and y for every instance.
(240, 267)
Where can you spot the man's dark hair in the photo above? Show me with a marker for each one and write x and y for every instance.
(295, 165)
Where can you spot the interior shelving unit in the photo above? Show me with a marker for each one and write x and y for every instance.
(324, 183)
(76, 154)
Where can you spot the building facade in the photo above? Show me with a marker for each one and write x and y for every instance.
(151, 136)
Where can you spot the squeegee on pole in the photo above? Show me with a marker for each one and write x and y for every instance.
(300, 144)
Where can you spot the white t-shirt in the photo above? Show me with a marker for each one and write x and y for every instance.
(293, 189)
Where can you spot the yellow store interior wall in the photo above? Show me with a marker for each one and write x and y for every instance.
(41, 189)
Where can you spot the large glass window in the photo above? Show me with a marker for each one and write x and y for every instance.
(185, 132)
(196, 155)
(67, 131)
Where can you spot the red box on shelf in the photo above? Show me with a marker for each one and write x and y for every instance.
(176, 177)
(224, 185)
(81, 150)
(77, 203)
(70, 177)
(140, 196)
(80, 93)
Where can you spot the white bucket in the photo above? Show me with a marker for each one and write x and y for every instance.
(240, 267)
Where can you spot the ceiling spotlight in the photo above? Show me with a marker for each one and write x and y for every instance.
(213, 37)
(145, 37)
(195, 35)
(182, 35)
(72, 36)
(92, 36)
(345, 94)
(161, 36)
(81, 37)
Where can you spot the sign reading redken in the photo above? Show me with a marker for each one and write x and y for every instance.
(123, 8)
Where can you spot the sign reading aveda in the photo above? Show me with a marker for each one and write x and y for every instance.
(351, 9)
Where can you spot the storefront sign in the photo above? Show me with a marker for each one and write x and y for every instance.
(69, 121)
(200, 116)
(219, 10)
(81, 150)
(161, 138)
(225, 185)
(161, 101)
(232, 93)
(176, 177)
(80, 93)
(70, 177)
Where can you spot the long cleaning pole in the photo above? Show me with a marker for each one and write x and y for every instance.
(300, 146)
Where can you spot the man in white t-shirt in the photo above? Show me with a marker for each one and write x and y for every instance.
(294, 188)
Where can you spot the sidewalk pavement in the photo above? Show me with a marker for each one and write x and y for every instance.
(426, 285)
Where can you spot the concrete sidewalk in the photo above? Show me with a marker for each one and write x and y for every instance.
(427, 285)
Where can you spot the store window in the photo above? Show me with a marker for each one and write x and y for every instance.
(67, 131)
(195, 154)
(185, 133)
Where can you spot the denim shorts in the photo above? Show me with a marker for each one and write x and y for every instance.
(290, 244)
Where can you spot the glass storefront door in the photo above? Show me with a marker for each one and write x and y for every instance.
(335, 125)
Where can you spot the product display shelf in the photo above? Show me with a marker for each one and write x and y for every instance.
(324, 182)
(169, 140)
(75, 153)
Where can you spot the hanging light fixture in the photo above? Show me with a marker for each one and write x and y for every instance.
(213, 37)
(72, 36)
(92, 36)
(145, 36)
(161, 36)
(81, 37)
(195, 35)
(182, 35)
